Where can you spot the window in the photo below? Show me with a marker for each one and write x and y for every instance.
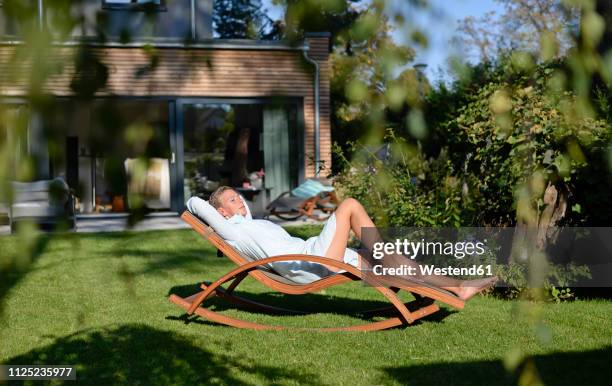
(141, 5)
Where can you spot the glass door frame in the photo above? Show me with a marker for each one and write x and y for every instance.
(177, 136)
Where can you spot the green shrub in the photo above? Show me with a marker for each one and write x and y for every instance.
(512, 134)
(406, 190)
(500, 144)
(556, 286)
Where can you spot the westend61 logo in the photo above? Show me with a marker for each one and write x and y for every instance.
(413, 249)
(418, 252)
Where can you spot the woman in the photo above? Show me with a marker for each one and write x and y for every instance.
(230, 217)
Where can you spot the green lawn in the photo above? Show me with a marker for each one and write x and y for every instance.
(99, 302)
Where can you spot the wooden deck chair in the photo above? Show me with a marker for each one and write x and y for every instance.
(312, 199)
(404, 313)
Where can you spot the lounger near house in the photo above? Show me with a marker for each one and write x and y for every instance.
(310, 196)
(403, 313)
(45, 202)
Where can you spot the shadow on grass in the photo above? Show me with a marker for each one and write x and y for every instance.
(13, 268)
(307, 303)
(134, 236)
(154, 263)
(567, 368)
(154, 251)
(141, 355)
(158, 258)
(161, 262)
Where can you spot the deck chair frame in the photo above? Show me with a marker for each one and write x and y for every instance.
(402, 314)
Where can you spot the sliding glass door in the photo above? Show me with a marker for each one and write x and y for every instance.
(235, 142)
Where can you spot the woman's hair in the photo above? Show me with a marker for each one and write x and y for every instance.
(215, 197)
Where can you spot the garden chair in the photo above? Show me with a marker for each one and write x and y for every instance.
(45, 202)
(404, 313)
(310, 196)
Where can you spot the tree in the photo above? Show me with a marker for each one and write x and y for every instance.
(544, 27)
(243, 19)
(333, 16)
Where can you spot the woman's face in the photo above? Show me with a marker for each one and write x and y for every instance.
(231, 204)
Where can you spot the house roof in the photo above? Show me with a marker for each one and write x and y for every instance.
(218, 44)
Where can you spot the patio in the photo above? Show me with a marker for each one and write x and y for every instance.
(117, 222)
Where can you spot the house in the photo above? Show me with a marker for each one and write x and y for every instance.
(204, 111)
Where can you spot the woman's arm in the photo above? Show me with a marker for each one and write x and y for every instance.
(208, 213)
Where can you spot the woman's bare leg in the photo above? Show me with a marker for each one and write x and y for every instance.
(351, 215)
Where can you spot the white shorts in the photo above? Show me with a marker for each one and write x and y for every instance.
(320, 244)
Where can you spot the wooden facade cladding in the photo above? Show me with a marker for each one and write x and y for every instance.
(197, 72)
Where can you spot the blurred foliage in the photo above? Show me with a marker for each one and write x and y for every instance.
(333, 16)
(522, 138)
(496, 137)
(36, 118)
(370, 73)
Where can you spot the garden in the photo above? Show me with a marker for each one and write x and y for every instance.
(98, 302)
(516, 137)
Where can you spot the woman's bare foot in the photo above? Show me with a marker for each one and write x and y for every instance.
(469, 288)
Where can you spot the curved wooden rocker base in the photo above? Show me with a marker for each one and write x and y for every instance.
(192, 304)
(229, 321)
(224, 294)
(404, 314)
